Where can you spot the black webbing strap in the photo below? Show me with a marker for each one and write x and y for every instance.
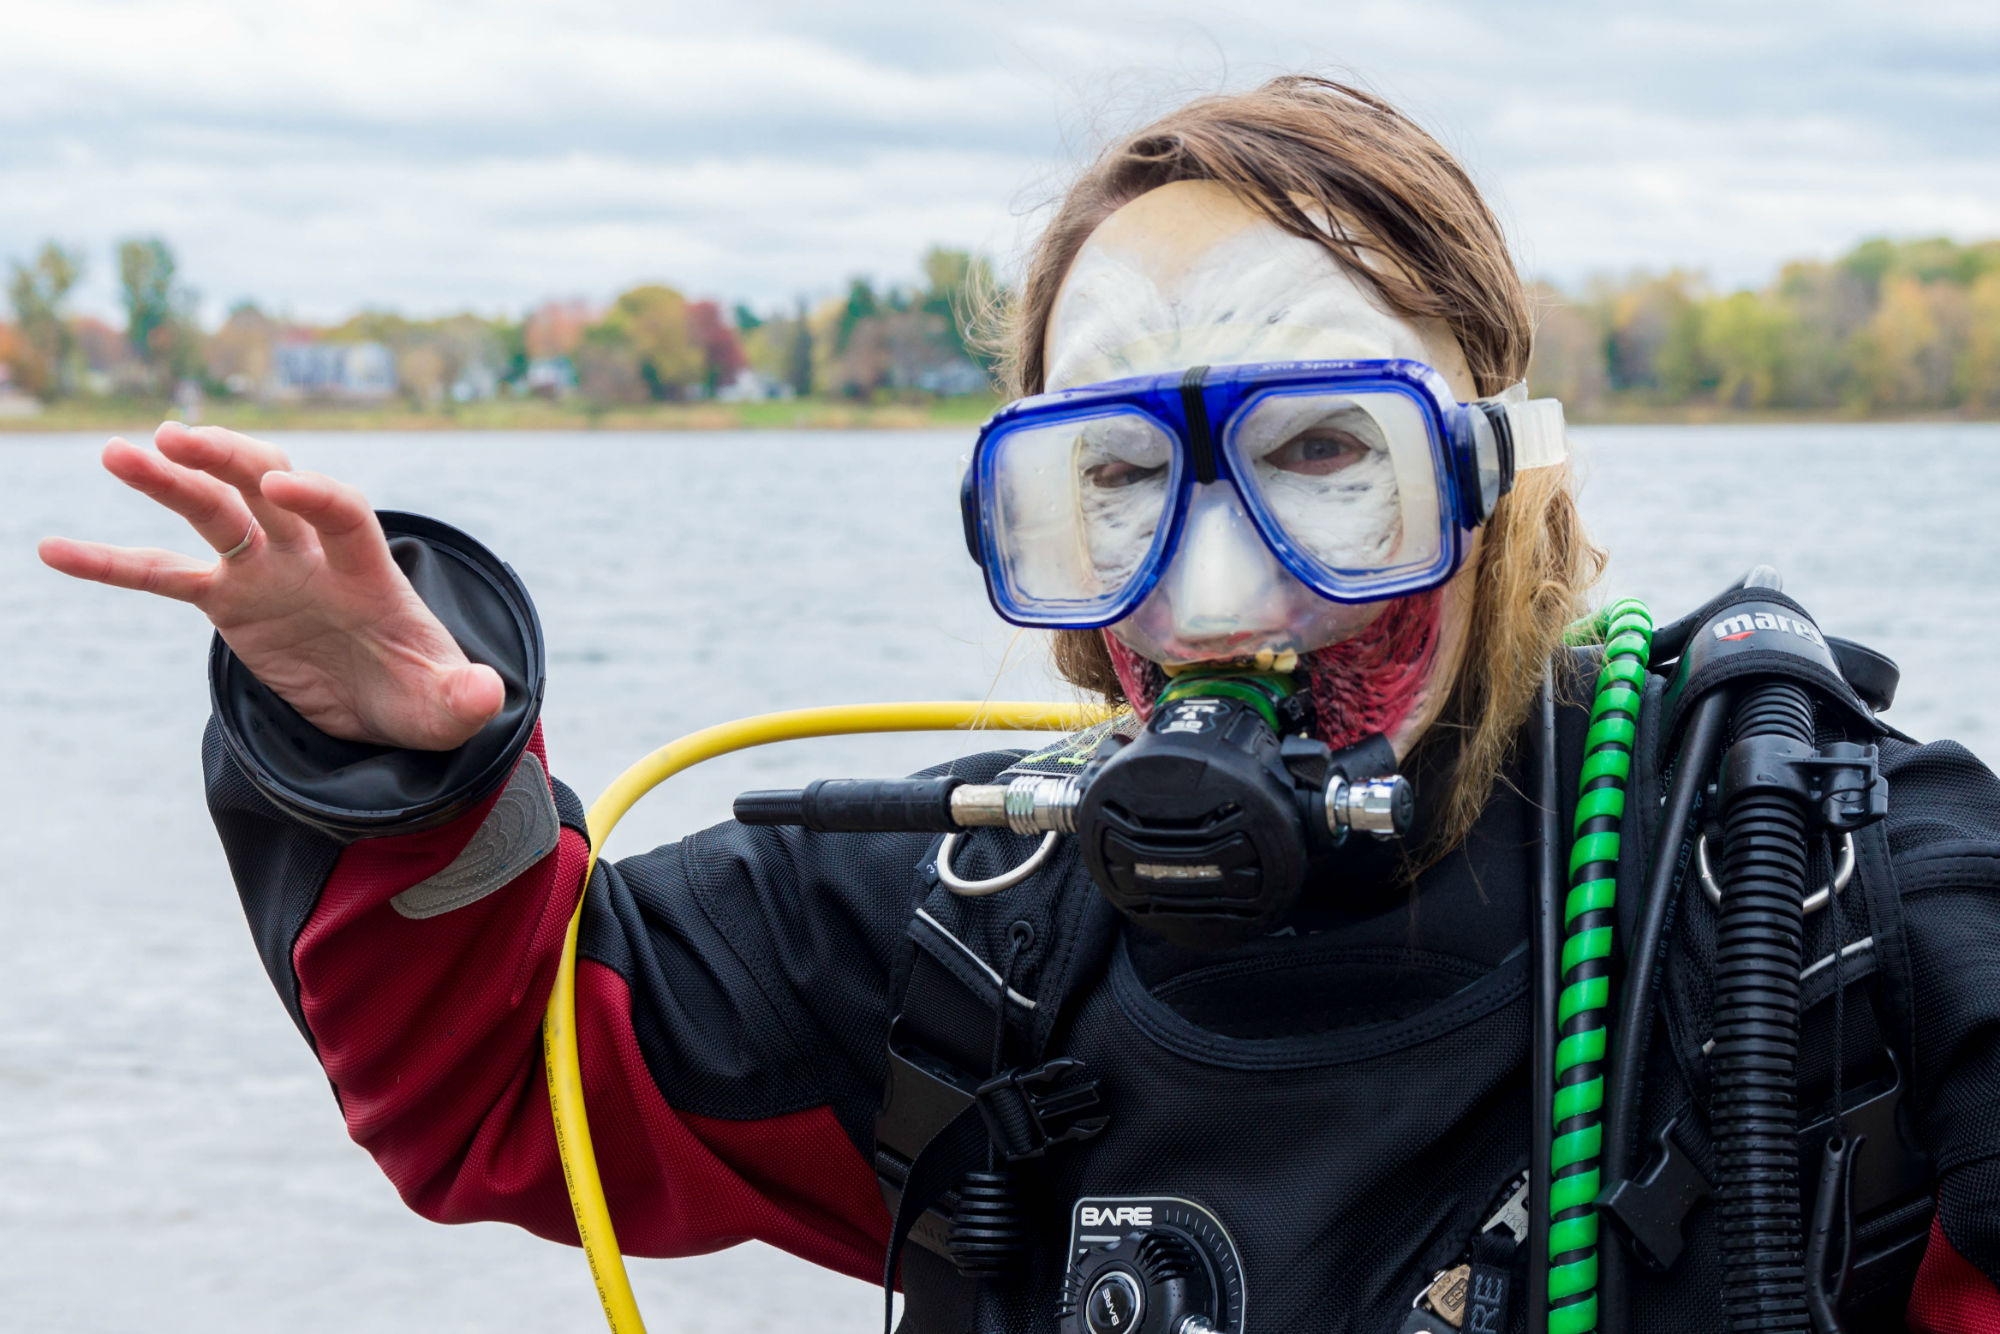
(958, 1148)
(939, 1119)
(940, 1046)
(1200, 438)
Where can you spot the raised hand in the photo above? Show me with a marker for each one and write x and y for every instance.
(304, 589)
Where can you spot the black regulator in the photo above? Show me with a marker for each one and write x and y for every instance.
(1201, 828)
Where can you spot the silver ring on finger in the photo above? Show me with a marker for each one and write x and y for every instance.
(244, 545)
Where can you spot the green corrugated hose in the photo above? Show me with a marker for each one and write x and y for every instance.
(1582, 1009)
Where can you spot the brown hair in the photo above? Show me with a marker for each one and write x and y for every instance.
(1344, 169)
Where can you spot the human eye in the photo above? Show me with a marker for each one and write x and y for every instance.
(1318, 452)
(1116, 453)
(1118, 473)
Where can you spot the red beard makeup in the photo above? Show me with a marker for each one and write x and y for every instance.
(1360, 686)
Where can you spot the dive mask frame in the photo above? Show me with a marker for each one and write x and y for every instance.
(1476, 450)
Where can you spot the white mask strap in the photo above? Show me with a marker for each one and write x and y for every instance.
(1537, 425)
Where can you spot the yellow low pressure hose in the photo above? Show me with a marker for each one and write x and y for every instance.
(559, 1052)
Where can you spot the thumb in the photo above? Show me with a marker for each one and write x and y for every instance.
(472, 694)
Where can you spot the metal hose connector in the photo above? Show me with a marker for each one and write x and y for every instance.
(1042, 805)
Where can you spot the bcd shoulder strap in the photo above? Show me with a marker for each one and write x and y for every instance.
(947, 1103)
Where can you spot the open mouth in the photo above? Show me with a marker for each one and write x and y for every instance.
(1363, 685)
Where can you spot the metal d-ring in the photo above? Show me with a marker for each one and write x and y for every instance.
(972, 889)
(1816, 900)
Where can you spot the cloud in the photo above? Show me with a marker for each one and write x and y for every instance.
(426, 156)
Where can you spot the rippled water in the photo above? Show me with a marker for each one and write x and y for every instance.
(170, 1157)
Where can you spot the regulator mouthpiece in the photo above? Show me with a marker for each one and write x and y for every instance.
(1201, 829)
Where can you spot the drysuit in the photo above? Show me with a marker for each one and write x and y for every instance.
(1348, 1097)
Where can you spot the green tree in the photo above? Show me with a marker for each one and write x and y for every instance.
(960, 286)
(1653, 336)
(1902, 359)
(39, 293)
(159, 312)
(652, 322)
(862, 304)
(1976, 376)
(1743, 342)
(801, 362)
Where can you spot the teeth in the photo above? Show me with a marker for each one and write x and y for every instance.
(1265, 660)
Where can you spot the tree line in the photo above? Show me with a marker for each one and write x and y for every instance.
(649, 343)
(1889, 327)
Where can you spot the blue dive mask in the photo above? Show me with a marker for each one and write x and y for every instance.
(1362, 478)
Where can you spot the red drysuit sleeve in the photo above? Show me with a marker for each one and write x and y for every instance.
(430, 1032)
(1952, 1295)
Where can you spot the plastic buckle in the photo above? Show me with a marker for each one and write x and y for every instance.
(1853, 791)
(1652, 1207)
(1890, 1167)
(1026, 1112)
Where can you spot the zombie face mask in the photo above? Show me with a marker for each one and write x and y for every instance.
(1242, 455)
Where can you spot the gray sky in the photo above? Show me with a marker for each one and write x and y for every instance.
(428, 156)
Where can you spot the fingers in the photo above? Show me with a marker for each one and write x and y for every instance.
(472, 695)
(349, 534)
(464, 699)
(240, 461)
(166, 573)
(215, 509)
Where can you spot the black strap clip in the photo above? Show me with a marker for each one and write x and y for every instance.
(1843, 777)
(1651, 1207)
(1026, 1111)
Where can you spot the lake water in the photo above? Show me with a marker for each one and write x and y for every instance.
(170, 1157)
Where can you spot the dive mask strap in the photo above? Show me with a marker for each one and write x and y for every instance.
(1537, 427)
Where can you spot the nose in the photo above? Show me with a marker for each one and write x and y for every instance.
(1223, 585)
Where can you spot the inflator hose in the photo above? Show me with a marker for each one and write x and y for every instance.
(559, 1050)
(1754, 1110)
(1582, 1014)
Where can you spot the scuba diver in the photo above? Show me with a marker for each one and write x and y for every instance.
(1417, 951)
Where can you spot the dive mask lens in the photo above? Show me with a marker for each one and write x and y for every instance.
(1344, 484)
(1358, 477)
(1075, 512)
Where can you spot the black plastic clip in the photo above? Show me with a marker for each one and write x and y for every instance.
(1026, 1111)
(1653, 1206)
(1843, 778)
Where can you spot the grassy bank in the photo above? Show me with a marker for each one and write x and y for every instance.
(529, 414)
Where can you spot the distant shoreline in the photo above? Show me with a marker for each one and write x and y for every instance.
(138, 417)
(515, 415)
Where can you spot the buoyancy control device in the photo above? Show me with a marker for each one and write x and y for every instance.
(1202, 827)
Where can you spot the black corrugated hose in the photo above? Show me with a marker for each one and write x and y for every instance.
(1754, 1064)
